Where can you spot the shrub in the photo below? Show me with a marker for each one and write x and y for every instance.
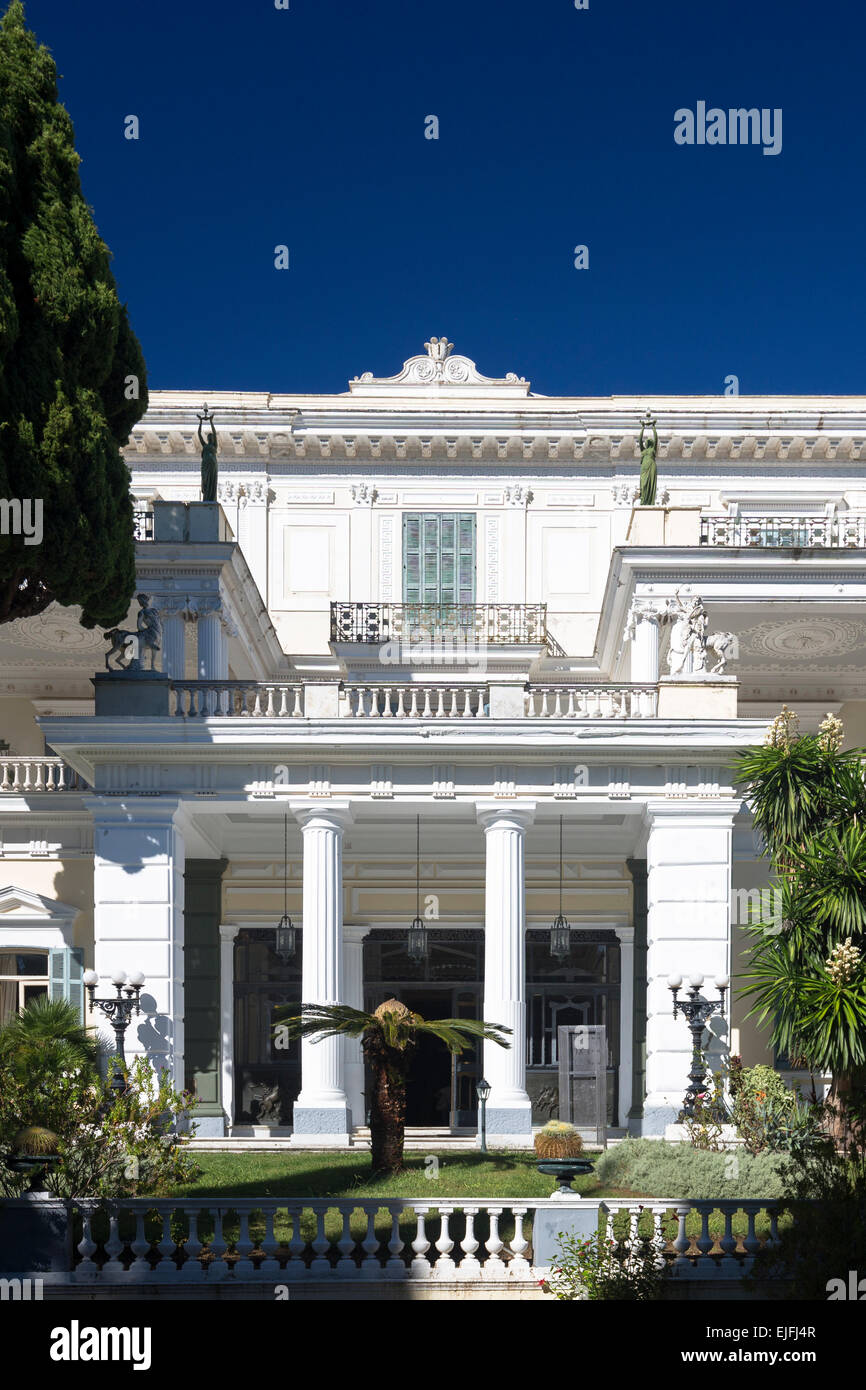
(109, 1146)
(655, 1168)
(601, 1270)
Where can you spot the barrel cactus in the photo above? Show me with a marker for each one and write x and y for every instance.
(558, 1140)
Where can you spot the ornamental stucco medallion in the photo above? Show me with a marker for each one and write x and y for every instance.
(55, 629)
(807, 637)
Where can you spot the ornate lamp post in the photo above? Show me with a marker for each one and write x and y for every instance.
(697, 1011)
(118, 1011)
(482, 1090)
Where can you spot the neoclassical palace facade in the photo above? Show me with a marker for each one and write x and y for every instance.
(428, 658)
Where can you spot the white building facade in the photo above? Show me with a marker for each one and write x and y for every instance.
(430, 610)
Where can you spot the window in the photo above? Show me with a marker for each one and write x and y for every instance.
(23, 977)
(439, 558)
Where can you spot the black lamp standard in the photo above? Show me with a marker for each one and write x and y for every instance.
(482, 1090)
(697, 1011)
(118, 1011)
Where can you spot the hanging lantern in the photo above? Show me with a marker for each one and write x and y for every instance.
(286, 942)
(560, 931)
(418, 941)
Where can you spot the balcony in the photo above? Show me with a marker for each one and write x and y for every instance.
(21, 774)
(463, 624)
(142, 526)
(785, 532)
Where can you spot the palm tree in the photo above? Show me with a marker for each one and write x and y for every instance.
(808, 980)
(47, 1036)
(389, 1036)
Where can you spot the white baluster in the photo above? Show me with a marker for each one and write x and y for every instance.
(321, 1245)
(444, 1267)
(140, 1247)
(270, 1264)
(244, 1267)
(217, 1266)
(192, 1267)
(440, 708)
(387, 712)
(494, 1267)
(482, 692)
(413, 710)
(271, 709)
(467, 703)
(346, 1245)
(401, 709)
(87, 1247)
(395, 1267)
(370, 1267)
(470, 1266)
(518, 1266)
(295, 1267)
(420, 1267)
(427, 712)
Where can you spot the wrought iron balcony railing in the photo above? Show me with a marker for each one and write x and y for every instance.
(785, 532)
(481, 624)
(142, 525)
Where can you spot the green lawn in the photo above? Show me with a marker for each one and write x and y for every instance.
(302, 1174)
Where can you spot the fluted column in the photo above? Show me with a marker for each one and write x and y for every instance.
(321, 1114)
(213, 649)
(173, 645)
(509, 1111)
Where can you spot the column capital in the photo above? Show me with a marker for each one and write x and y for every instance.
(355, 933)
(332, 813)
(228, 930)
(518, 813)
(706, 810)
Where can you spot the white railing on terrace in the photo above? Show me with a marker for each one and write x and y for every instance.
(415, 701)
(591, 701)
(37, 774)
(785, 532)
(264, 699)
(280, 1240)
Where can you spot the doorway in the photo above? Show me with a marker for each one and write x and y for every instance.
(448, 984)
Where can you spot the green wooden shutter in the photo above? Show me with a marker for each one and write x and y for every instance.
(65, 972)
(438, 558)
(411, 558)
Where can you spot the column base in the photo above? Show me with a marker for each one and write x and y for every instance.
(210, 1127)
(509, 1126)
(321, 1126)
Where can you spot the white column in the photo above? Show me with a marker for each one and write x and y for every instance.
(626, 1020)
(321, 1114)
(252, 532)
(688, 932)
(228, 936)
(173, 645)
(213, 648)
(138, 864)
(509, 1111)
(353, 987)
(645, 646)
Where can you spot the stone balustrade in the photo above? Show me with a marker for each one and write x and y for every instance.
(591, 701)
(22, 775)
(411, 701)
(259, 699)
(278, 1240)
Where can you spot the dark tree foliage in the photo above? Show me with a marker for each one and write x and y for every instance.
(67, 357)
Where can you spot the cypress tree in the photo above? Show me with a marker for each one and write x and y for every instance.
(72, 375)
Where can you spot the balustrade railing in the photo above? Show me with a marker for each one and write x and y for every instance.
(416, 624)
(37, 774)
(280, 1240)
(785, 532)
(372, 701)
(591, 701)
(264, 699)
(142, 525)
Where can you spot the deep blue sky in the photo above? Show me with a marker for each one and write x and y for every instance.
(306, 127)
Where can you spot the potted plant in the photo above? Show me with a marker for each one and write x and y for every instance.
(558, 1140)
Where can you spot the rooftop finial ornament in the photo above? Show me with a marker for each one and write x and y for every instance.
(438, 349)
(209, 465)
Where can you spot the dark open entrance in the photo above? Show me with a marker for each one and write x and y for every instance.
(447, 985)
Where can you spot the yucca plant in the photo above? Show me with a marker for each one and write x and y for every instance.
(389, 1036)
(808, 799)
